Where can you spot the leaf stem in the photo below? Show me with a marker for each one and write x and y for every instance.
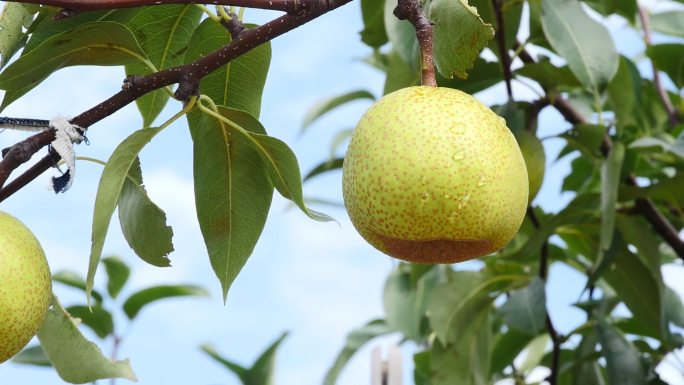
(412, 10)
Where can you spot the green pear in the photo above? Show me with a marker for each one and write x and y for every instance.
(25, 286)
(432, 175)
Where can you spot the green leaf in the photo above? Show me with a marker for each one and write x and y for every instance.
(239, 84)
(525, 309)
(76, 359)
(102, 43)
(163, 32)
(587, 370)
(95, 317)
(671, 23)
(422, 368)
(670, 189)
(511, 12)
(237, 369)
(548, 75)
(406, 302)
(674, 310)
(586, 138)
(638, 288)
(401, 34)
(263, 370)
(456, 303)
(108, 193)
(33, 355)
(669, 58)
(329, 104)
(626, 8)
(118, 273)
(469, 358)
(328, 165)
(138, 300)
(622, 359)
(610, 181)
(590, 50)
(373, 33)
(143, 223)
(507, 346)
(400, 74)
(13, 19)
(459, 36)
(624, 93)
(483, 75)
(355, 340)
(74, 280)
(535, 160)
(233, 194)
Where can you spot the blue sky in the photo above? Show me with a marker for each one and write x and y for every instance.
(316, 280)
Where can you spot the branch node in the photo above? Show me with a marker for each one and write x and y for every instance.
(233, 25)
(64, 13)
(188, 86)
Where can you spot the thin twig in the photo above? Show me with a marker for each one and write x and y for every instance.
(412, 11)
(187, 76)
(645, 206)
(501, 42)
(672, 114)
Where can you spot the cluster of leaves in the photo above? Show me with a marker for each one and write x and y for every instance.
(64, 347)
(492, 324)
(237, 165)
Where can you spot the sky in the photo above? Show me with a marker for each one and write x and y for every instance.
(316, 280)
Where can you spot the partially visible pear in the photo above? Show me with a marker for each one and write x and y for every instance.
(432, 175)
(25, 286)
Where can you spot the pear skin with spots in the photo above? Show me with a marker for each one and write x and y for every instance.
(25, 286)
(432, 175)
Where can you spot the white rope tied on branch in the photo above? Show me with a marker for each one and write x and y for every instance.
(66, 134)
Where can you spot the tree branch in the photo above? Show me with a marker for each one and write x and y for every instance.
(644, 205)
(187, 76)
(412, 11)
(672, 113)
(289, 6)
(501, 42)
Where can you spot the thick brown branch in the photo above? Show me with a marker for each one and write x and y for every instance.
(187, 76)
(289, 6)
(412, 11)
(672, 113)
(503, 51)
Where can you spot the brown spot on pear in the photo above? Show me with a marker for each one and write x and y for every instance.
(25, 286)
(432, 175)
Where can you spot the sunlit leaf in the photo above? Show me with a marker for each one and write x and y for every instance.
(459, 36)
(355, 340)
(142, 298)
(76, 359)
(163, 32)
(624, 93)
(590, 50)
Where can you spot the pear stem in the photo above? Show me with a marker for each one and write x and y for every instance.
(412, 10)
